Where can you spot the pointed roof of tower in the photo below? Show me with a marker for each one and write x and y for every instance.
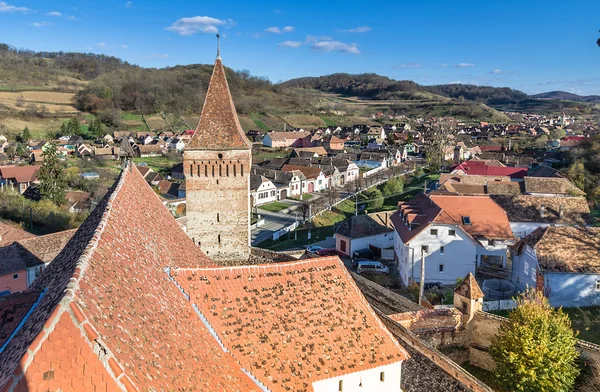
(469, 288)
(219, 127)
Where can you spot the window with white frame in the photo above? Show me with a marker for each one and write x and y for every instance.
(441, 268)
(598, 284)
(533, 274)
(433, 232)
(442, 250)
(526, 268)
(452, 233)
(424, 248)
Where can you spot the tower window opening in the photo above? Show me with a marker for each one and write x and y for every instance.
(234, 170)
(219, 238)
(241, 170)
(213, 170)
(198, 170)
(220, 156)
(191, 171)
(220, 172)
(205, 170)
(227, 170)
(218, 218)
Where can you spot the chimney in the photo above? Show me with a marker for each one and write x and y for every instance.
(561, 212)
(542, 211)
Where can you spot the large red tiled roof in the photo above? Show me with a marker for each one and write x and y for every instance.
(308, 171)
(12, 310)
(108, 287)
(481, 168)
(219, 127)
(20, 173)
(291, 324)
(487, 218)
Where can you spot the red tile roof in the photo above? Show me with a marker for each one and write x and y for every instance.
(469, 288)
(487, 218)
(12, 310)
(219, 127)
(308, 171)
(481, 168)
(12, 233)
(110, 278)
(291, 324)
(19, 173)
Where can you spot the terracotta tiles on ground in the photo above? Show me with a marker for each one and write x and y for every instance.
(291, 324)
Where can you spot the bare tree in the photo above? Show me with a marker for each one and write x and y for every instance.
(332, 195)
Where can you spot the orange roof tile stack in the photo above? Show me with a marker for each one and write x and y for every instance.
(291, 324)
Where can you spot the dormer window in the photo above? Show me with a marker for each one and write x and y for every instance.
(466, 220)
(491, 242)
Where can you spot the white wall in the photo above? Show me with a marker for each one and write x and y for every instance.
(369, 379)
(383, 241)
(458, 258)
(268, 188)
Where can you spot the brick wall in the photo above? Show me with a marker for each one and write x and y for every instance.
(218, 209)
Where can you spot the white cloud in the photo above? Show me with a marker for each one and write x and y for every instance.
(203, 24)
(497, 72)
(409, 65)
(54, 13)
(335, 46)
(11, 8)
(128, 4)
(463, 65)
(124, 46)
(41, 24)
(360, 29)
(456, 82)
(71, 18)
(291, 44)
(313, 38)
(277, 30)
(101, 45)
(158, 56)
(443, 65)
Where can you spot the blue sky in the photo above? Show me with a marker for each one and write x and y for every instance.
(531, 45)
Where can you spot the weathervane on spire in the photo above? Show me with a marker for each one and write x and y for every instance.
(218, 46)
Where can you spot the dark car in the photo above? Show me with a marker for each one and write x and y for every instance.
(363, 254)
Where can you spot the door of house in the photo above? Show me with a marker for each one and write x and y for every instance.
(311, 187)
(343, 246)
(283, 194)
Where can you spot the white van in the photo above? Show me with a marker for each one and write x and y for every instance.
(372, 267)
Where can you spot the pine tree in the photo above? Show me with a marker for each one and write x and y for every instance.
(53, 181)
(96, 129)
(26, 134)
(535, 350)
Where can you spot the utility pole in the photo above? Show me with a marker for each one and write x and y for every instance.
(309, 216)
(422, 282)
(296, 229)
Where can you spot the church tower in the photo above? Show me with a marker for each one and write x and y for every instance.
(216, 165)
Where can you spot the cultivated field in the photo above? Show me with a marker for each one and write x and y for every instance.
(305, 121)
(52, 101)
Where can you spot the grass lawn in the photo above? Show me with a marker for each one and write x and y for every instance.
(275, 206)
(161, 165)
(328, 121)
(305, 196)
(131, 117)
(265, 153)
(259, 123)
(288, 241)
(328, 218)
(585, 320)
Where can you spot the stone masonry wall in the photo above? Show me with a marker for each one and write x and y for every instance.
(218, 206)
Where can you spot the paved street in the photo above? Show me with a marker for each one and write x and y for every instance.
(274, 221)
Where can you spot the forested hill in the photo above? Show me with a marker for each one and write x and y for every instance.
(28, 68)
(563, 95)
(380, 87)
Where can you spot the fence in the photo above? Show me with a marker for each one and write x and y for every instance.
(285, 230)
(504, 304)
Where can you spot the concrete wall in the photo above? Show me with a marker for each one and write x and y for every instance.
(525, 268)
(572, 289)
(367, 380)
(484, 327)
(218, 203)
(458, 257)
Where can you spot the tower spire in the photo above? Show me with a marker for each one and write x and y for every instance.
(219, 46)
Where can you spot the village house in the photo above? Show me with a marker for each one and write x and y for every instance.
(563, 262)
(455, 235)
(292, 183)
(262, 190)
(18, 178)
(333, 142)
(528, 212)
(146, 151)
(275, 139)
(315, 179)
(84, 150)
(78, 201)
(476, 167)
(370, 231)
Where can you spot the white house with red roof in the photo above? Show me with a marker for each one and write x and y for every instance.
(18, 177)
(455, 235)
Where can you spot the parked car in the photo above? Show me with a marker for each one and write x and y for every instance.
(372, 267)
(327, 252)
(356, 261)
(313, 248)
(363, 254)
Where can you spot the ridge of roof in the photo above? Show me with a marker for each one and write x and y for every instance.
(219, 127)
